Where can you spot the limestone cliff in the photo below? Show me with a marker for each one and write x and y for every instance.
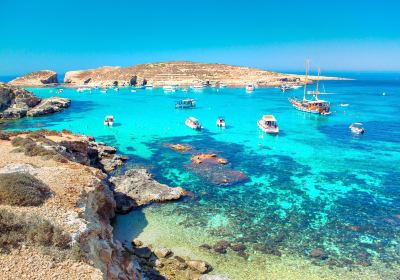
(16, 103)
(80, 204)
(182, 73)
(38, 78)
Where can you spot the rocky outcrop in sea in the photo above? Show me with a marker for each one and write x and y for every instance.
(181, 73)
(38, 78)
(17, 103)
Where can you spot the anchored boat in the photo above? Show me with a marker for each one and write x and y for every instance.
(221, 122)
(193, 123)
(357, 128)
(268, 124)
(109, 120)
(185, 104)
(316, 106)
(250, 88)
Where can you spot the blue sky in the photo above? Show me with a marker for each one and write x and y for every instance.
(275, 35)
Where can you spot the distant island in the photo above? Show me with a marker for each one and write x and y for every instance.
(179, 73)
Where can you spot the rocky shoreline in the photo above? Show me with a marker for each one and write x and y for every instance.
(17, 103)
(84, 199)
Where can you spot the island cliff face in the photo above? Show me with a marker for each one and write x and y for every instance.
(38, 78)
(16, 103)
(181, 73)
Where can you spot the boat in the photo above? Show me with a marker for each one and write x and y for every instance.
(357, 128)
(149, 86)
(285, 88)
(185, 104)
(116, 89)
(169, 88)
(344, 105)
(221, 122)
(250, 88)
(109, 120)
(133, 90)
(185, 89)
(193, 123)
(316, 106)
(268, 124)
(197, 87)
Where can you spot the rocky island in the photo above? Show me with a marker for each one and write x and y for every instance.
(181, 73)
(16, 103)
(38, 78)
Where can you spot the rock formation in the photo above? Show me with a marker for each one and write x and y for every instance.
(81, 205)
(16, 103)
(139, 186)
(181, 73)
(38, 78)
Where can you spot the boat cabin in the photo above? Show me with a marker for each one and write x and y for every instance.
(185, 103)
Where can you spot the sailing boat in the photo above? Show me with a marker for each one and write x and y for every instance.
(316, 106)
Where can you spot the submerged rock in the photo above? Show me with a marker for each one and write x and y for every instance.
(208, 158)
(139, 185)
(221, 246)
(213, 277)
(318, 254)
(162, 252)
(180, 147)
(200, 266)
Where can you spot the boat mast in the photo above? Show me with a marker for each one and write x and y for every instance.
(316, 90)
(305, 81)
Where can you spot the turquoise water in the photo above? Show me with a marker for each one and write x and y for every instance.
(315, 185)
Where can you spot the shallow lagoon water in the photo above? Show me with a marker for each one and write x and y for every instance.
(315, 185)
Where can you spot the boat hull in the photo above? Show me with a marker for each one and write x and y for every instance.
(298, 106)
(268, 129)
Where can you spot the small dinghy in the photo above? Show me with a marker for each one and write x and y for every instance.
(221, 122)
(357, 128)
(193, 123)
(249, 88)
(268, 124)
(109, 121)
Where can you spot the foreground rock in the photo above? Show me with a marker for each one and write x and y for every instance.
(16, 103)
(180, 147)
(38, 78)
(81, 206)
(139, 185)
(181, 73)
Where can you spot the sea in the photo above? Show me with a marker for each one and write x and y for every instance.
(313, 202)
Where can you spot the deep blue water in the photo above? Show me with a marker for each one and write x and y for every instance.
(315, 185)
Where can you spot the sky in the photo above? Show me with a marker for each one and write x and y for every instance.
(338, 35)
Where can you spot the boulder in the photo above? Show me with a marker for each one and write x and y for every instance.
(180, 147)
(136, 242)
(139, 185)
(318, 254)
(162, 252)
(200, 266)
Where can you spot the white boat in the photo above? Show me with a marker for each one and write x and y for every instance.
(357, 128)
(250, 88)
(285, 88)
(169, 88)
(133, 90)
(268, 124)
(149, 86)
(109, 120)
(344, 105)
(197, 87)
(193, 123)
(116, 89)
(221, 122)
(185, 104)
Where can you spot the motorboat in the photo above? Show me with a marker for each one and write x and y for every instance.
(133, 90)
(185, 104)
(285, 88)
(268, 124)
(169, 88)
(193, 123)
(116, 89)
(357, 128)
(221, 122)
(344, 105)
(316, 106)
(250, 88)
(149, 86)
(197, 87)
(109, 120)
